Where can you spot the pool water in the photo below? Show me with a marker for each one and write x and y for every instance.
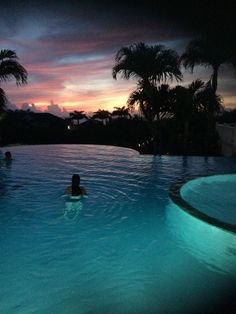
(124, 249)
(213, 195)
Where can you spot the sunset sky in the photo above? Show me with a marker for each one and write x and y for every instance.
(68, 49)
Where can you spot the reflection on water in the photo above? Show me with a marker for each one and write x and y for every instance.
(209, 244)
(5, 167)
(72, 210)
(6, 163)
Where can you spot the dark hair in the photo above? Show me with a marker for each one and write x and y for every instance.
(8, 155)
(75, 185)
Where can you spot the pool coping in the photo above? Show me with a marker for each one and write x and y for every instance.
(175, 196)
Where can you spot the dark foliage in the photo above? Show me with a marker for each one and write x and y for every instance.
(25, 127)
(228, 116)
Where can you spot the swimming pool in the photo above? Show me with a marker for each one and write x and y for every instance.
(216, 194)
(125, 249)
(209, 198)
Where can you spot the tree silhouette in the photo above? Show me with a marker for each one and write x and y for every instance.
(210, 52)
(3, 100)
(195, 100)
(184, 106)
(75, 116)
(103, 115)
(150, 65)
(121, 112)
(155, 104)
(10, 69)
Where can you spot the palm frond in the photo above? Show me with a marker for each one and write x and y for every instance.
(153, 63)
(195, 86)
(7, 54)
(10, 69)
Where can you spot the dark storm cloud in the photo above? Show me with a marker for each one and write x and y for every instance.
(192, 14)
(75, 41)
(103, 16)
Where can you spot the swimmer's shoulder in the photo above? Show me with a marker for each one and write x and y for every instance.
(68, 190)
(83, 190)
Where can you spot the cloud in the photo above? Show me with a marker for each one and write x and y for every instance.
(52, 108)
(31, 107)
(56, 110)
(68, 48)
(11, 106)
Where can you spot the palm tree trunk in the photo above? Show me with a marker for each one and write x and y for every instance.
(214, 78)
(3, 100)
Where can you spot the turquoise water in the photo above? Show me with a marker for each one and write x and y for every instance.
(124, 249)
(213, 195)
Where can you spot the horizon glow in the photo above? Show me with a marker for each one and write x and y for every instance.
(69, 55)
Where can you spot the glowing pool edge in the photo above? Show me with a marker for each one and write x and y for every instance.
(175, 196)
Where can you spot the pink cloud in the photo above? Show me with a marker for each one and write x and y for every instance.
(69, 58)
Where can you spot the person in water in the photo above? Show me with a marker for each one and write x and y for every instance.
(8, 156)
(75, 189)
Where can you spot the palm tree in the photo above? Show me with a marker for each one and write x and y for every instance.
(10, 69)
(75, 116)
(103, 115)
(154, 103)
(147, 63)
(209, 104)
(3, 100)
(196, 101)
(150, 65)
(210, 52)
(184, 107)
(121, 112)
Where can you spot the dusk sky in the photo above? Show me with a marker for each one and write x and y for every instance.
(68, 49)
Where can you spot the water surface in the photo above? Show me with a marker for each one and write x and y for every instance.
(124, 249)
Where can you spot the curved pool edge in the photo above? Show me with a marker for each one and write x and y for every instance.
(175, 196)
(81, 144)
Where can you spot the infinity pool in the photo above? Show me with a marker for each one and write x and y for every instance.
(125, 249)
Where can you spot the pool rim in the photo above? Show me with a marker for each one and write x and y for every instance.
(175, 196)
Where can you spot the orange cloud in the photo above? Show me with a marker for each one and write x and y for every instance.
(70, 56)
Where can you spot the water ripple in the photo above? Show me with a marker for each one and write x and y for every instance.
(109, 253)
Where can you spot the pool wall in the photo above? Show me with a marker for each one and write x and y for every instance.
(211, 245)
(176, 197)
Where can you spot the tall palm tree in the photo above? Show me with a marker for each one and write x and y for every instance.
(3, 100)
(184, 106)
(210, 105)
(150, 65)
(197, 100)
(208, 51)
(154, 103)
(10, 69)
(208, 102)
